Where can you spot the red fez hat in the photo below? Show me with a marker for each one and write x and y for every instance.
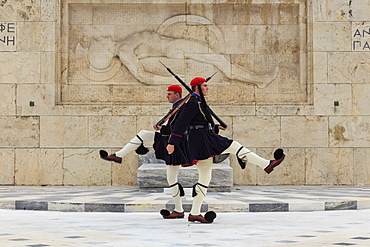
(175, 88)
(197, 81)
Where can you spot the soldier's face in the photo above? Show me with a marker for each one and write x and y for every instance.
(204, 88)
(172, 96)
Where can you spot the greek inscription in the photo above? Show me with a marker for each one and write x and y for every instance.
(7, 27)
(8, 40)
(358, 45)
(363, 34)
(361, 37)
(7, 36)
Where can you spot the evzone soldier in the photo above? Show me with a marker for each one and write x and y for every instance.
(204, 143)
(159, 142)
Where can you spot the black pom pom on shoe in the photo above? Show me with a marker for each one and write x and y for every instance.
(278, 154)
(103, 153)
(165, 212)
(210, 216)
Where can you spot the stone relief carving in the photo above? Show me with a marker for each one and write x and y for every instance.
(98, 56)
(94, 55)
(26, 10)
(108, 45)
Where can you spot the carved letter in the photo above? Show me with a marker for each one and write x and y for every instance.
(357, 33)
(11, 40)
(11, 27)
(366, 46)
(354, 44)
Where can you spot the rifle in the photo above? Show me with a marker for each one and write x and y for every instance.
(173, 110)
(191, 91)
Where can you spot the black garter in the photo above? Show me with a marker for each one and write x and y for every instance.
(194, 192)
(181, 189)
(141, 149)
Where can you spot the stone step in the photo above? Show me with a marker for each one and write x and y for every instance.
(152, 177)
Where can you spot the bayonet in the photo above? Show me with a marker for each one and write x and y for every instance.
(223, 124)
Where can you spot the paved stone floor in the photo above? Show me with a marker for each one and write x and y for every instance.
(125, 216)
(131, 199)
(315, 228)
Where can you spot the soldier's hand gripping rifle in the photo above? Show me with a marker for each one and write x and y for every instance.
(222, 123)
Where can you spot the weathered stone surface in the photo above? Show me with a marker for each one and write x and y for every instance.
(339, 10)
(291, 171)
(361, 170)
(42, 33)
(26, 10)
(48, 64)
(247, 176)
(235, 110)
(37, 99)
(157, 111)
(249, 132)
(154, 176)
(111, 131)
(268, 207)
(349, 131)
(84, 167)
(320, 60)
(66, 207)
(7, 167)
(313, 130)
(49, 10)
(59, 131)
(39, 167)
(7, 95)
(104, 207)
(31, 205)
(125, 173)
(346, 205)
(344, 67)
(328, 95)
(12, 136)
(93, 110)
(361, 99)
(329, 166)
(332, 36)
(21, 67)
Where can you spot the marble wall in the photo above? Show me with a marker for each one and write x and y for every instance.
(82, 75)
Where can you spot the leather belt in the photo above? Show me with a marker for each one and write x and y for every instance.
(197, 127)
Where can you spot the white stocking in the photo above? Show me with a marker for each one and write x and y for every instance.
(172, 172)
(145, 135)
(204, 178)
(246, 155)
